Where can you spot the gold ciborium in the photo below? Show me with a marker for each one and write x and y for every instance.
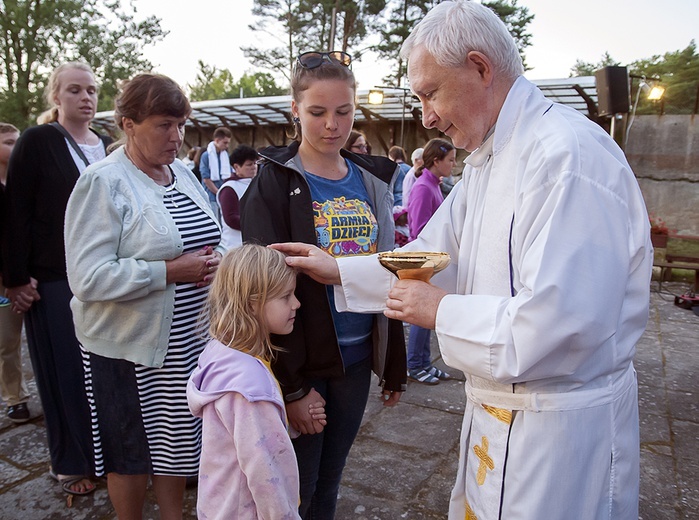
(414, 265)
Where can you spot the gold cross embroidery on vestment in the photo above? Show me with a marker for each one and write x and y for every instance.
(486, 460)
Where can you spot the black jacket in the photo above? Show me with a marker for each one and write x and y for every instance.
(277, 207)
(41, 175)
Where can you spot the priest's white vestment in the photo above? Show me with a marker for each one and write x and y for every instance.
(549, 291)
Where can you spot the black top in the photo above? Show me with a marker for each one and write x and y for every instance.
(41, 175)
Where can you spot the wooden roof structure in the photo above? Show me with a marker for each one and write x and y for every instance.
(265, 119)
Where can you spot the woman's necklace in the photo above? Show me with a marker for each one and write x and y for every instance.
(159, 182)
(170, 189)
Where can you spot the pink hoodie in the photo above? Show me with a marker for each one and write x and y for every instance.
(248, 467)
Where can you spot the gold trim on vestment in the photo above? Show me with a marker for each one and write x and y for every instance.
(499, 413)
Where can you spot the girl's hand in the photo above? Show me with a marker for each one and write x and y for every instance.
(317, 411)
(299, 413)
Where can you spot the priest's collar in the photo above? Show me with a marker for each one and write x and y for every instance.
(485, 150)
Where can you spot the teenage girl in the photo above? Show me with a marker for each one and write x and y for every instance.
(43, 169)
(314, 191)
(248, 468)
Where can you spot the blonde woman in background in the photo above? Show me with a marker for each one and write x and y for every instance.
(44, 167)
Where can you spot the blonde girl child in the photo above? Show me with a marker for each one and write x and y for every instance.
(248, 467)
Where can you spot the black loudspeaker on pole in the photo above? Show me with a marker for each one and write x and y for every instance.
(612, 91)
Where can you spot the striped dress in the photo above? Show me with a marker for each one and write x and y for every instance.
(173, 435)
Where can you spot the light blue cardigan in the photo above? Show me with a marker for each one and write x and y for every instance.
(118, 236)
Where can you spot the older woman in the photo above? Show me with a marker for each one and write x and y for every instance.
(43, 168)
(142, 248)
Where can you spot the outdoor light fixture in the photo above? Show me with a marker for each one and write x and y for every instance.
(376, 97)
(656, 93)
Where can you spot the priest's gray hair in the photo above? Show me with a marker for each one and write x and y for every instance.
(451, 30)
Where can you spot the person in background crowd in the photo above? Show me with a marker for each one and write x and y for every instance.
(400, 218)
(248, 468)
(409, 180)
(425, 198)
(141, 250)
(192, 159)
(244, 162)
(44, 167)
(548, 288)
(13, 389)
(315, 192)
(215, 165)
(357, 143)
(397, 154)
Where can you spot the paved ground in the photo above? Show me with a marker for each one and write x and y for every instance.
(404, 460)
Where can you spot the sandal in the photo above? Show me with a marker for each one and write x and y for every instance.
(420, 375)
(439, 374)
(68, 481)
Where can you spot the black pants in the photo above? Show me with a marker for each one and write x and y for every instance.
(58, 371)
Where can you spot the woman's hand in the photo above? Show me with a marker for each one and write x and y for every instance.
(23, 296)
(196, 267)
(390, 397)
(301, 412)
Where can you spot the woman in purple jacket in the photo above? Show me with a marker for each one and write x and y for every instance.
(439, 158)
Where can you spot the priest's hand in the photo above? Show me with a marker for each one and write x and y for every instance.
(311, 260)
(414, 302)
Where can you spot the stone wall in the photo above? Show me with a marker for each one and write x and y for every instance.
(664, 154)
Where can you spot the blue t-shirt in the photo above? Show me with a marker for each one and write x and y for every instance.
(346, 225)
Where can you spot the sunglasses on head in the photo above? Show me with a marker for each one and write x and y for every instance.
(314, 59)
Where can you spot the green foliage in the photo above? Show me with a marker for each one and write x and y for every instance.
(353, 22)
(214, 83)
(259, 84)
(37, 35)
(582, 68)
(516, 19)
(300, 26)
(679, 74)
(402, 16)
(281, 22)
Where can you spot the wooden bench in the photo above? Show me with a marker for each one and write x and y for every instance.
(678, 265)
(677, 260)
